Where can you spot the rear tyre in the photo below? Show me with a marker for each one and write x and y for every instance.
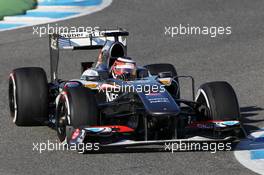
(77, 107)
(155, 69)
(28, 96)
(220, 101)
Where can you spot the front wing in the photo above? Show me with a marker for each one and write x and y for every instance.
(116, 135)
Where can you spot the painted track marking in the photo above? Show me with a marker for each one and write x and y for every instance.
(49, 11)
(250, 152)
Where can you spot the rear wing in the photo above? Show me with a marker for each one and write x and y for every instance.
(86, 40)
(81, 41)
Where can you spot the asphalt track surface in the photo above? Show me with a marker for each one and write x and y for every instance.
(237, 58)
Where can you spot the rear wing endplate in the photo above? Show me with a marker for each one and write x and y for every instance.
(81, 41)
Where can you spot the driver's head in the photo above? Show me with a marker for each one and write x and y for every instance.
(124, 68)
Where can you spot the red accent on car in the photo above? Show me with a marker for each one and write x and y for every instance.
(116, 128)
(64, 93)
(75, 133)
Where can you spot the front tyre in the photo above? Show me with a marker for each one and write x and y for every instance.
(219, 100)
(77, 107)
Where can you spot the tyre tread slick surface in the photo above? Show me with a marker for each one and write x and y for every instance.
(32, 96)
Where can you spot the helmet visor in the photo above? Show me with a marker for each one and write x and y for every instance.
(126, 68)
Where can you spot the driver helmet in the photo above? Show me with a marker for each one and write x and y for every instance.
(124, 68)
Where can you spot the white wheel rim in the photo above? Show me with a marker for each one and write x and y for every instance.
(201, 92)
(14, 97)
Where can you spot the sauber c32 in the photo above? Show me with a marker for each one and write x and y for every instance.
(91, 109)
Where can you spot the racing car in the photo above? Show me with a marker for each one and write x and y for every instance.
(117, 102)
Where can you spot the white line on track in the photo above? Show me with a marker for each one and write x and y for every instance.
(250, 152)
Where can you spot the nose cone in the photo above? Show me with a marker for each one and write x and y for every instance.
(159, 104)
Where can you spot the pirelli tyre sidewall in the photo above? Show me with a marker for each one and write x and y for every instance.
(28, 96)
(77, 107)
(221, 100)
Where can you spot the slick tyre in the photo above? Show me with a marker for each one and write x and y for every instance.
(28, 96)
(76, 107)
(220, 100)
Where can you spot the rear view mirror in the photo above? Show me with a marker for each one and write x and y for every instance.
(165, 75)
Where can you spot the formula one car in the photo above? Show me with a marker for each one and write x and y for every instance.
(136, 106)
